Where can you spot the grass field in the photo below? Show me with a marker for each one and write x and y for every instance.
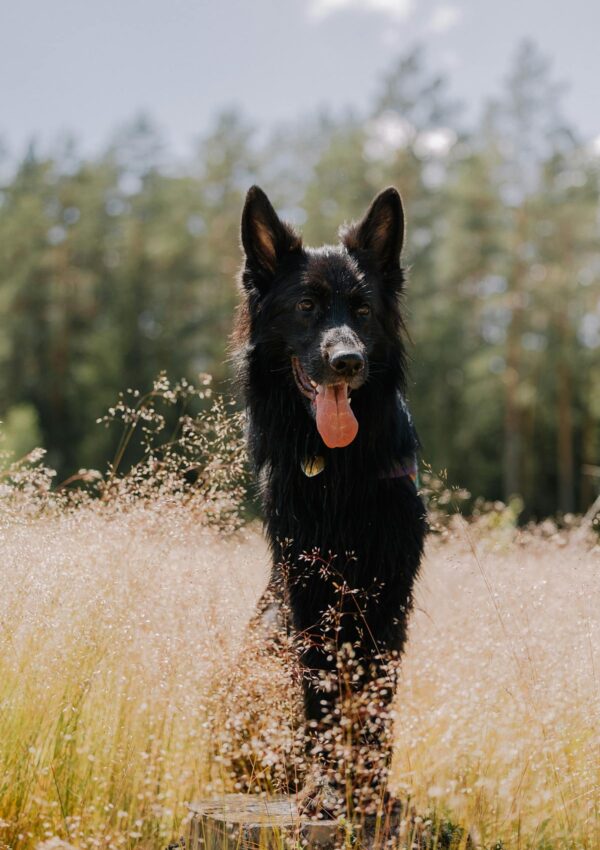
(119, 622)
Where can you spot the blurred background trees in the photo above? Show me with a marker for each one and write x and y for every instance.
(117, 267)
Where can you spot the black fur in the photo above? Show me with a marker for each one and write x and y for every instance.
(356, 525)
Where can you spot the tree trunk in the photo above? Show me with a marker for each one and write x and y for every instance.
(565, 459)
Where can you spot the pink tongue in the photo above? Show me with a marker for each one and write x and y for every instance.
(336, 423)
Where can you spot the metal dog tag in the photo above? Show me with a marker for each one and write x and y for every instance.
(313, 465)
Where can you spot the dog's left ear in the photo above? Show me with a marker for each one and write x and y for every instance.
(381, 232)
(265, 238)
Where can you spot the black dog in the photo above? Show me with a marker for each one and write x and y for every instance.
(322, 364)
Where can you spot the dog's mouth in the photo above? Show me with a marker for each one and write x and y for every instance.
(306, 385)
(330, 403)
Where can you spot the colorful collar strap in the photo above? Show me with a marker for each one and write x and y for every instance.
(406, 468)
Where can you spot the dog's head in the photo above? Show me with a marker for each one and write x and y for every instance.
(326, 318)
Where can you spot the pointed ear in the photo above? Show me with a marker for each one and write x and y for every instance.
(381, 231)
(265, 238)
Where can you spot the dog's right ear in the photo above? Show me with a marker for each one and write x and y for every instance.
(265, 238)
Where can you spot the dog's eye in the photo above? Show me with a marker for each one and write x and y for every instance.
(363, 310)
(306, 305)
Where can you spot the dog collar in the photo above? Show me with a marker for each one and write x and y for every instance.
(406, 468)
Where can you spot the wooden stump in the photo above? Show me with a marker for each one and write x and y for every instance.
(243, 822)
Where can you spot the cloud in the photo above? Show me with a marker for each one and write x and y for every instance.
(444, 17)
(398, 9)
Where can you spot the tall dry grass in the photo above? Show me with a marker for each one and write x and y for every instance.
(498, 715)
(121, 619)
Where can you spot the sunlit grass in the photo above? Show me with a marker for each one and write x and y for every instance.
(113, 628)
(498, 716)
(121, 625)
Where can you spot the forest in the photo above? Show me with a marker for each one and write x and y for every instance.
(118, 266)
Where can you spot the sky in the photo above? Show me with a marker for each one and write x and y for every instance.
(85, 68)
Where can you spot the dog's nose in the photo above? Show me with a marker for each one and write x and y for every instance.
(347, 363)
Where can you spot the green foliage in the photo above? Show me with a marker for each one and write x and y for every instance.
(118, 267)
(20, 430)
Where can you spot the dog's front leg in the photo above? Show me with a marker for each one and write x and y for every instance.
(347, 700)
(369, 706)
